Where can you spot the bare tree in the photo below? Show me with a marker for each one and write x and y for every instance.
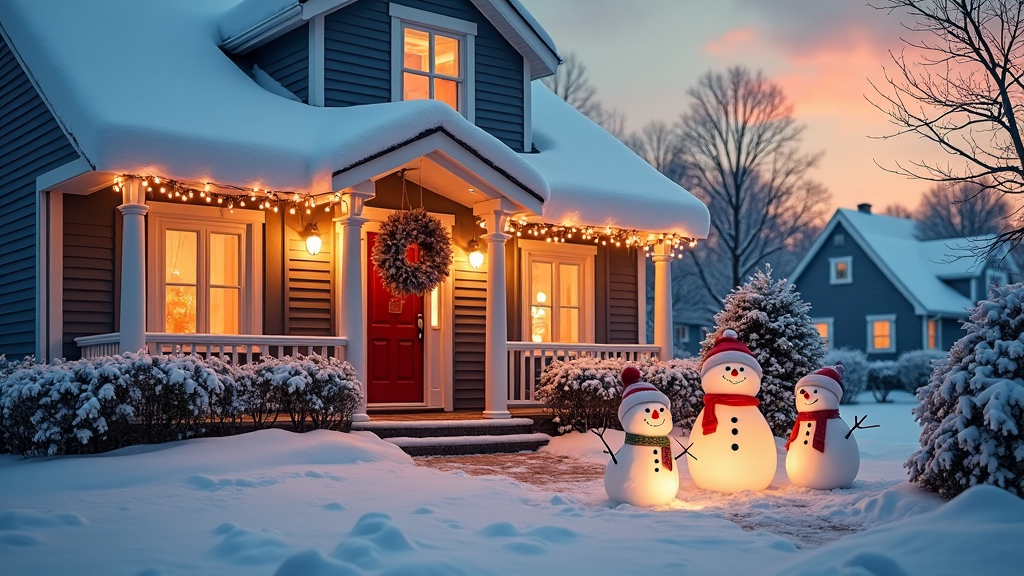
(740, 146)
(898, 211)
(572, 84)
(961, 88)
(960, 210)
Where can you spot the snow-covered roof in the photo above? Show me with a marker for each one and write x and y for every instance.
(916, 268)
(142, 87)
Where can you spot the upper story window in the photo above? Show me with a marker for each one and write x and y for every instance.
(840, 270)
(432, 58)
(682, 333)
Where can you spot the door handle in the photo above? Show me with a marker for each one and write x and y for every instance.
(419, 325)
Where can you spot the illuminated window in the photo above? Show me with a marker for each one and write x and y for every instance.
(433, 58)
(558, 282)
(881, 333)
(933, 334)
(840, 270)
(824, 326)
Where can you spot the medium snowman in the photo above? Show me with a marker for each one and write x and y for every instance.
(642, 472)
(821, 451)
(732, 445)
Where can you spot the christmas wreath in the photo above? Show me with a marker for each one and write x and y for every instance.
(401, 230)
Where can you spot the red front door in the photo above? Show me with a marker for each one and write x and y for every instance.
(395, 337)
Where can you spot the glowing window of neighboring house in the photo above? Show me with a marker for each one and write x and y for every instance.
(881, 333)
(558, 282)
(933, 334)
(824, 326)
(840, 270)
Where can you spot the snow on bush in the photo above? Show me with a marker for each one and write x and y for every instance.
(316, 391)
(914, 367)
(883, 378)
(584, 393)
(855, 371)
(171, 395)
(972, 409)
(770, 317)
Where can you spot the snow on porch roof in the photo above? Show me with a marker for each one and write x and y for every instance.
(142, 87)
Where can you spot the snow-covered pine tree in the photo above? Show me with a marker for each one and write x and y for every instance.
(972, 409)
(771, 318)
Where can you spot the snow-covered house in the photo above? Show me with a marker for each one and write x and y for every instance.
(209, 175)
(873, 286)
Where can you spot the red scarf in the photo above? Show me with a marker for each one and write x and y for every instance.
(821, 417)
(710, 421)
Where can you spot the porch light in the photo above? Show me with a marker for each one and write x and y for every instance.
(313, 241)
(476, 257)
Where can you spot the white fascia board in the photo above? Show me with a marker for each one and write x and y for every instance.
(62, 174)
(280, 23)
(313, 8)
(520, 35)
(432, 145)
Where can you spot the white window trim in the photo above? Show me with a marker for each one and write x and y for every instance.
(832, 270)
(938, 333)
(830, 321)
(164, 214)
(565, 254)
(465, 30)
(686, 332)
(891, 318)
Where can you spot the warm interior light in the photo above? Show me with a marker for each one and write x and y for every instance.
(435, 308)
(313, 241)
(542, 297)
(476, 257)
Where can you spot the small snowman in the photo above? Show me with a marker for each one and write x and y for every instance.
(642, 472)
(732, 444)
(821, 451)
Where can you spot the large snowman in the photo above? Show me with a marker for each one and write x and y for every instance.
(733, 446)
(821, 452)
(642, 472)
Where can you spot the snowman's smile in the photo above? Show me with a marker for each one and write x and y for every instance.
(655, 425)
(734, 382)
(809, 403)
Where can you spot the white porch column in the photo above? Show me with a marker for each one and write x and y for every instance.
(133, 266)
(495, 213)
(663, 299)
(351, 305)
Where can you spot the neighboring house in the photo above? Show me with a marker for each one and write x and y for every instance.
(209, 176)
(688, 333)
(873, 286)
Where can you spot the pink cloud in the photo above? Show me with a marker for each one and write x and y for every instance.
(731, 42)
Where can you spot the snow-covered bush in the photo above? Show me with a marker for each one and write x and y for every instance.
(170, 395)
(914, 367)
(19, 401)
(226, 407)
(855, 371)
(678, 379)
(316, 391)
(582, 393)
(771, 319)
(883, 378)
(972, 409)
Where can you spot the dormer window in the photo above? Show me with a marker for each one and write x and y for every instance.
(432, 58)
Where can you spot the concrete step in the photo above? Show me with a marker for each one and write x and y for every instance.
(445, 428)
(476, 444)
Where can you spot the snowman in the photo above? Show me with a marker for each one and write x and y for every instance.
(732, 444)
(821, 451)
(642, 472)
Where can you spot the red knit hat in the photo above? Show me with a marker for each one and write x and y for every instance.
(829, 378)
(640, 393)
(728, 349)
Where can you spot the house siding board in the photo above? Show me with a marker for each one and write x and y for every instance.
(870, 293)
(952, 330)
(621, 315)
(286, 59)
(961, 285)
(357, 54)
(309, 281)
(31, 144)
(89, 250)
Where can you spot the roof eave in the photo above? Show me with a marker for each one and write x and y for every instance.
(272, 27)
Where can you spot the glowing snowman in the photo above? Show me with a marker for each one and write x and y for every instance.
(733, 446)
(821, 452)
(642, 472)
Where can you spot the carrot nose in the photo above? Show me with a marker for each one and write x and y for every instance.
(807, 396)
(735, 373)
(654, 415)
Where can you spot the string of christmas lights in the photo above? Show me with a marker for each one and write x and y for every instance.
(208, 192)
(604, 236)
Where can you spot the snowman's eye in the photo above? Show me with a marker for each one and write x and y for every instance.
(741, 368)
(802, 391)
(648, 410)
(727, 368)
(815, 391)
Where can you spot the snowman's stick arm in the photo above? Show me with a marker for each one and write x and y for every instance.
(609, 448)
(686, 450)
(857, 424)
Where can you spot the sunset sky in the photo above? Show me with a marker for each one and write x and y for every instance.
(642, 55)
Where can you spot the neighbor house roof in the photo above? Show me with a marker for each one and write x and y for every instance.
(916, 268)
(143, 87)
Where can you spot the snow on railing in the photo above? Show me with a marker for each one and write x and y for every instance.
(526, 360)
(234, 348)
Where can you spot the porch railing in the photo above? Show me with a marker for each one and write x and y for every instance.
(234, 348)
(526, 360)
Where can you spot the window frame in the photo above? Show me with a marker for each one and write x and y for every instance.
(206, 220)
(928, 323)
(403, 17)
(686, 332)
(560, 253)
(870, 320)
(829, 321)
(832, 262)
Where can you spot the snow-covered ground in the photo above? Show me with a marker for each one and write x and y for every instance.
(326, 503)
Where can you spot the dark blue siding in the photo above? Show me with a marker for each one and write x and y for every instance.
(286, 59)
(961, 285)
(871, 293)
(357, 52)
(952, 331)
(31, 144)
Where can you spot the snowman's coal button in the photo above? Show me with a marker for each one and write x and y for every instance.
(805, 441)
(808, 433)
(808, 424)
(657, 469)
(735, 447)
(735, 419)
(655, 450)
(735, 431)
(656, 461)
